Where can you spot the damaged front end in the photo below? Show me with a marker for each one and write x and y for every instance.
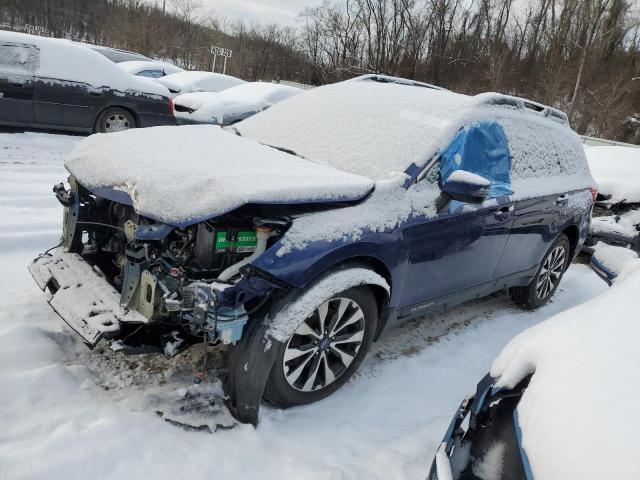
(144, 285)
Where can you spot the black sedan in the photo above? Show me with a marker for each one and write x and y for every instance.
(57, 84)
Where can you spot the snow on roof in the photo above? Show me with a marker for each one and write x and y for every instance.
(360, 126)
(242, 99)
(577, 416)
(379, 128)
(182, 175)
(136, 66)
(64, 60)
(616, 169)
(196, 81)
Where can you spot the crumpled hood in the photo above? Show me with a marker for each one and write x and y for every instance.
(184, 175)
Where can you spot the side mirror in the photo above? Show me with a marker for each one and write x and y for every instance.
(466, 187)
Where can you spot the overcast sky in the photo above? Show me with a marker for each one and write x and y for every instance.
(264, 11)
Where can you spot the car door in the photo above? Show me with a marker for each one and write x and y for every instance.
(459, 248)
(532, 233)
(456, 250)
(66, 103)
(17, 65)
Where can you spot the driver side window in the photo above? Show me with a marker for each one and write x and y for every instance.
(480, 149)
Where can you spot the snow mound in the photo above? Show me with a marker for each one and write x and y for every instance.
(576, 415)
(618, 260)
(617, 171)
(182, 175)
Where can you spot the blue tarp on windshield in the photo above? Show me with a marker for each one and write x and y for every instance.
(483, 150)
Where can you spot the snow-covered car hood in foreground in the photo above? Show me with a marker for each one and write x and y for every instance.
(184, 175)
(578, 416)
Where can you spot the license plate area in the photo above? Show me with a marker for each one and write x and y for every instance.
(82, 297)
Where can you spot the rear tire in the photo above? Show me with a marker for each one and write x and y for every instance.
(115, 120)
(548, 276)
(323, 353)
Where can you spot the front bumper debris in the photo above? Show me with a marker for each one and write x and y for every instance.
(82, 297)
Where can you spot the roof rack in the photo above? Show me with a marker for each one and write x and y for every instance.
(522, 103)
(401, 81)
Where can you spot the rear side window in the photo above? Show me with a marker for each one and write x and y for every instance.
(481, 149)
(542, 148)
(19, 59)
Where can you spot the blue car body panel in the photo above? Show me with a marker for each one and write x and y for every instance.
(463, 252)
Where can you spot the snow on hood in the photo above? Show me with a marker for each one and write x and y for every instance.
(134, 67)
(616, 169)
(183, 175)
(233, 102)
(578, 415)
(196, 81)
(69, 61)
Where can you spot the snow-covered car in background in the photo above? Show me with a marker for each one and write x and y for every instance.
(296, 236)
(57, 84)
(149, 68)
(616, 220)
(231, 105)
(116, 55)
(556, 402)
(196, 81)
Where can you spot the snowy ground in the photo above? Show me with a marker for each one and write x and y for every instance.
(66, 412)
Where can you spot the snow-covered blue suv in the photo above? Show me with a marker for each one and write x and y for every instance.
(298, 235)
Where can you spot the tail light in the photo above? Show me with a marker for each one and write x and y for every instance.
(171, 109)
(594, 193)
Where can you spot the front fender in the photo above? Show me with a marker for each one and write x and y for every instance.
(299, 267)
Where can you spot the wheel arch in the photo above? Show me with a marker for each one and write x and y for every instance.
(381, 295)
(573, 234)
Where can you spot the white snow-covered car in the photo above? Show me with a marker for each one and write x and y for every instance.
(558, 402)
(231, 105)
(616, 169)
(196, 81)
(151, 69)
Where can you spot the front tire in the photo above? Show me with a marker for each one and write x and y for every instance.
(115, 120)
(325, 349)
(547, 279)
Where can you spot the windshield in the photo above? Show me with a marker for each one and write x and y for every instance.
(368, 128)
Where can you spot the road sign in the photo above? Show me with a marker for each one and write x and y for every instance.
(223, 52)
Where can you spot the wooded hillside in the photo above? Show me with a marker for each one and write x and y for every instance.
(582, 56)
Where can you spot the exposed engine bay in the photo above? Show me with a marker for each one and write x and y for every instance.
(186, 283)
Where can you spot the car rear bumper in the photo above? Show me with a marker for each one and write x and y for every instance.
(82, 297)
(156, 120)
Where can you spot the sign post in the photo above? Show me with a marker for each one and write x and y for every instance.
(223, 52)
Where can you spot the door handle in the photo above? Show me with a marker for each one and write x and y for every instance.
(17, 84)
(562, 199)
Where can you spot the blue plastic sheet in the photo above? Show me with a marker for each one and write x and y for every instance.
(483, 150)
